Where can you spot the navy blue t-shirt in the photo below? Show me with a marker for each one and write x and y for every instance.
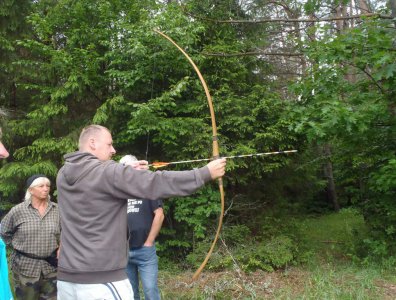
(140, 219)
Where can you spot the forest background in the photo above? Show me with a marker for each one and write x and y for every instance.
(317, 76)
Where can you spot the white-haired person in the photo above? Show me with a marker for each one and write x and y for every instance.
(145, 219)
(32, 230)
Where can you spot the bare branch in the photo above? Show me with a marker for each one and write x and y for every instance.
(222, 54)
(271, 20)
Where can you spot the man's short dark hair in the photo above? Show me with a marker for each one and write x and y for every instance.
(89, 131)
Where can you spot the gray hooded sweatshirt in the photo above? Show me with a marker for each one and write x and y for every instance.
(92, 200)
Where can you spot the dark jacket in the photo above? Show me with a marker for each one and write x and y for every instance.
(92, 204)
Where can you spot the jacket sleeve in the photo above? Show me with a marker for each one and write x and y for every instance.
(144, 184)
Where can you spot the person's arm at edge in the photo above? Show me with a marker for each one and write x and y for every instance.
(7, 230)
(155, 227)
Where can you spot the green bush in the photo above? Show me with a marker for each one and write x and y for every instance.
(5, 206)
(236, 235)
(276, 253)
(217, 260)
(279, 252)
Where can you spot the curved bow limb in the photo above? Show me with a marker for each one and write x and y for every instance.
(215, 152)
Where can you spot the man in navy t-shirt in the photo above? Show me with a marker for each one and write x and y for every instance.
(145, 219)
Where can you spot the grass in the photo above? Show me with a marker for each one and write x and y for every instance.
(321, 282)
(330, 281)
(332, 236)
(328, 274)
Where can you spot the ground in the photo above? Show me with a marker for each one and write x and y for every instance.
(293, 283)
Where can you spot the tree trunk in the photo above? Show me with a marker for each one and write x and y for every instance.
(392, 4)
(328, 169)
(342, 11)
(364, 8)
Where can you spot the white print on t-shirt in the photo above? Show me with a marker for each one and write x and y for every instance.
(131, 205)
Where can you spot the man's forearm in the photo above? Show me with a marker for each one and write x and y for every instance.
(155, 227)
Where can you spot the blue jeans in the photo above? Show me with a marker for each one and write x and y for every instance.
(143, 261)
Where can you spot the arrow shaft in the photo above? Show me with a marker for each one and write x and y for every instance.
(228, 157)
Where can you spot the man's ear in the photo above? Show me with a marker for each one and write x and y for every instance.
(91, 143)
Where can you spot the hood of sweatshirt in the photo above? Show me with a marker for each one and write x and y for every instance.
(77, 165)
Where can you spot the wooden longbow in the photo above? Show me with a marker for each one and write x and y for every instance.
(215, 147)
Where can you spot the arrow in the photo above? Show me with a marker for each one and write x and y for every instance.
(157, 165)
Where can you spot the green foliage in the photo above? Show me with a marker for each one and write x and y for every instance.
(100, 62)
(239, 250)
(275, 253)
(5, 207)
(192, 218)
(333, 237)
(348, 102)
(384, 180)
(278, 252)
(196, 211)
(328, 273)
(380, 214)
(236, 234)
(75, 62)
(384, 183)
(282, 241)
(14, 175)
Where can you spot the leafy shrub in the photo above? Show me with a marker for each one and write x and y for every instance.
(217, 260)
(236, 235)
(276, 253)
(380, 214)
(5, 206)
(232, 235)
